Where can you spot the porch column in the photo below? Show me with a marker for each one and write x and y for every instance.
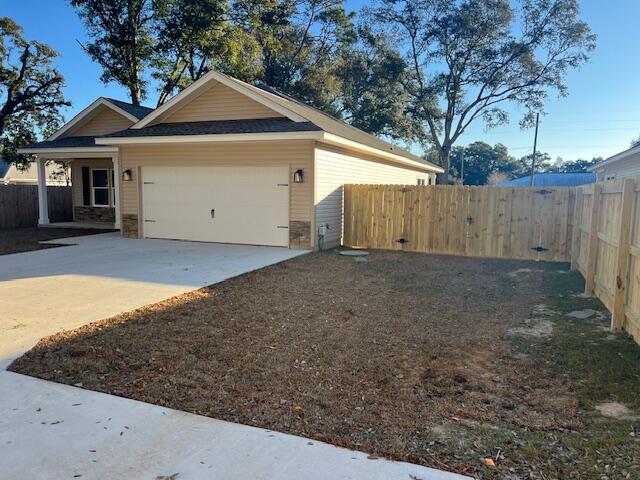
(43, 206)
(116, 190)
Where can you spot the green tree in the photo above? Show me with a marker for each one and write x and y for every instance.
(192, 36)
(543, 164)
(371, 97)
(121, 40)
(576, 166)
(481, 160)
(465, 59)
(297, 42)
(30, 91)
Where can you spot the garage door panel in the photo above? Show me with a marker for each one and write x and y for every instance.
(247, 205)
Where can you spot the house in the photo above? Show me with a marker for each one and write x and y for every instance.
(552, 180)
(12, 175)
(623, 164)
(222, 161)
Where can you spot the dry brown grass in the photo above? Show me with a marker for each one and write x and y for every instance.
(392, 356)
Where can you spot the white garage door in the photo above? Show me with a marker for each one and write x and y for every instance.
(247, 205)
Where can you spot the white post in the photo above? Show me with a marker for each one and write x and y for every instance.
(116, 190)
(43, 206)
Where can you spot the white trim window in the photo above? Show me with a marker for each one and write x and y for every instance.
(102, 187)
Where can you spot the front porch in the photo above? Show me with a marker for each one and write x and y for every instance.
(95, 182)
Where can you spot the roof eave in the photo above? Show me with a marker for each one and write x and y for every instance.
(615, 158)
(70, 152)
(209, 138)
(336, 140)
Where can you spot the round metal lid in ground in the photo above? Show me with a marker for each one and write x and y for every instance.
(354, 253)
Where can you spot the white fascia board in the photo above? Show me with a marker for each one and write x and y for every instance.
(332, 139)
(87, 111)
(200, 84)
(618, 156)
(229, 137)
(70, 152)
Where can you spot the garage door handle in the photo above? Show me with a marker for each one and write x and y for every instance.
(213, 213)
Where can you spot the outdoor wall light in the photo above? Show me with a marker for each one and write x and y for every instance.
(126, 175)
(298, 176)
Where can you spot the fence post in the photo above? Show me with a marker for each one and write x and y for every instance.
(592, 248)
(576, 231)
(624, 254)
(348, 215)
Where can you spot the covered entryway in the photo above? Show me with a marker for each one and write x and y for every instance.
(246, 205)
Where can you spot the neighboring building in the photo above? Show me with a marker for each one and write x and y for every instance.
(12, 175)
(222, 161)
(623, 164)
(552, 180)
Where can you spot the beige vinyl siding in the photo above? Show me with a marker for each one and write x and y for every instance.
(220, 103)
(335, 167)
(627, 167)
(294, 154)
(104, 122)
(76, 175)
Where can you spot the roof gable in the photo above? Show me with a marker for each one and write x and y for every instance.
(219, 102)
(103, 116)
(200, 86)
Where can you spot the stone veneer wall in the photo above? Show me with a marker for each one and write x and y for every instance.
(299, 234)
(130, 225)
(94, 214)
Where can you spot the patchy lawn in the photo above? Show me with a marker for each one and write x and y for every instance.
(457, 363)
(26, 239)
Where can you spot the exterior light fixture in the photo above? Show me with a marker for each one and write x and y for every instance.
(126, 175)
(298, 176)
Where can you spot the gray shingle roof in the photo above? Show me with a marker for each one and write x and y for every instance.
(137, 111)
(65, 142)
(213, 127)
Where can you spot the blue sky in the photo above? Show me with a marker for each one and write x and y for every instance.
(599, 118)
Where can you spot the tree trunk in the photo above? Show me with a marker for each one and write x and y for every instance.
(445, 163)
(134, 92)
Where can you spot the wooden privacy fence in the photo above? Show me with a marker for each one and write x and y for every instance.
(501, 222)
(19, 205)
(606, 248)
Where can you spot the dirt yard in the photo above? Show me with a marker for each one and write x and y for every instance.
(458, 363)
(26, 239)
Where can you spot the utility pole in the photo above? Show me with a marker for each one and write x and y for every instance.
(535, 146)
(462, 168)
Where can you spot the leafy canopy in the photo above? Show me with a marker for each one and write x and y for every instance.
(121, 40)
(31, 94)
(465, 59)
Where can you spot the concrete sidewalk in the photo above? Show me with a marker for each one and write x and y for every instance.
(54, 431)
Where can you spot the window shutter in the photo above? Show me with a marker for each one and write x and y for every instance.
(86, 186)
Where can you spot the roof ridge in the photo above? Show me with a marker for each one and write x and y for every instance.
(111, 99)
(390, 146)
(331, 117)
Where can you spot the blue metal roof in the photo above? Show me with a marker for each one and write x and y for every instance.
(552, 180)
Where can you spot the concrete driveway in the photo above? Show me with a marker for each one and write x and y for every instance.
(53, 431)
(98, 276)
